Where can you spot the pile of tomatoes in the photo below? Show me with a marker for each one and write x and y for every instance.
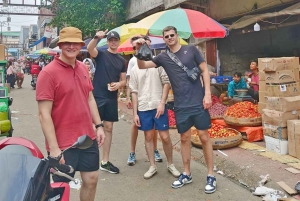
(218, 131)
(244, 109)
(171, 117)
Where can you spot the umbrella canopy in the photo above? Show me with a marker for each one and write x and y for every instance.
(47, 51)
(156, 43)
(122, 31)
(186, 21)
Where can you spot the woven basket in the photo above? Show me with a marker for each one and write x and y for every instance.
(220, 143)
(243, 121)
(216, 117)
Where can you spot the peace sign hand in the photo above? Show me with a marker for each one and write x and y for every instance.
(101, 34)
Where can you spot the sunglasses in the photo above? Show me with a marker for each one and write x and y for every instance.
(169, 36)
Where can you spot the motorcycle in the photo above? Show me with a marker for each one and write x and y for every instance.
(35, 70)
(25, 173)
(34, 80)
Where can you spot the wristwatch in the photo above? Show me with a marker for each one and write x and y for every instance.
(96, 37)
(99, 125)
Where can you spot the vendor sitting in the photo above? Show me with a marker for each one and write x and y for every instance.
(236, 83)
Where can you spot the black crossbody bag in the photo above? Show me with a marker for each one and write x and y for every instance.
(193, 74)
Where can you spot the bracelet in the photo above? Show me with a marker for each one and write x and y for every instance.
(99, 125)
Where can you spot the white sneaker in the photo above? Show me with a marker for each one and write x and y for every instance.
(172, 169)
(152, 171)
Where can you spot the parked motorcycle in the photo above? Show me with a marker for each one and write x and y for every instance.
(25, 173)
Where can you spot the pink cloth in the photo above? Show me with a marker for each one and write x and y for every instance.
(10, 70)
(255, 78)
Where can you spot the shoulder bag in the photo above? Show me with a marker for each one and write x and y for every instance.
(192, 74)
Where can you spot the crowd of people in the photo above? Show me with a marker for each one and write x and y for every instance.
(92, 88)
(16, 69)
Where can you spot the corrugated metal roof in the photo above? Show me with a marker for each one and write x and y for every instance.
(11, 33)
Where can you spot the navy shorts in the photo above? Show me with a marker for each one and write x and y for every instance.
(109, 111)
(148, 120)
(83, 160)
(192, 116)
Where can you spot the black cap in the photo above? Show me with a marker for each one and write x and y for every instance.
(113, 34)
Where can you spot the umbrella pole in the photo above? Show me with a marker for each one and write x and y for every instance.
(154, 52)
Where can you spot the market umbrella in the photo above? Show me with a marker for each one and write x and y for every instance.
(156, 43)
(186, 21)
(47, 51)
(122, 31)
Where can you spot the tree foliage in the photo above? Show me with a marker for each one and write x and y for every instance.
(87, 15)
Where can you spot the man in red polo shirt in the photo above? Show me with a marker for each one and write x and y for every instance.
(67, 110)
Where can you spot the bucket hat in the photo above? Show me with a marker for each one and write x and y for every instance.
(70, 34)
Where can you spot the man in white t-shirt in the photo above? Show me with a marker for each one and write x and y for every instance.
(150, 88)
(134, 129)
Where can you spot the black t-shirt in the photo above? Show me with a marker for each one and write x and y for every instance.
(109, 66)
(186, 93)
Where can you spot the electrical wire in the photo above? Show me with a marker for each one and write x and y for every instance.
(275, 23)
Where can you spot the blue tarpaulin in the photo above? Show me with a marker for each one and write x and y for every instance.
(37, 42)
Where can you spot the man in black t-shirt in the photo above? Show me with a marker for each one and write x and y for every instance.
(191, 102)
(110, 75)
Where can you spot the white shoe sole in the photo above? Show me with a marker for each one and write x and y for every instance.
(176, 176)
(103, 169)
(188, 182)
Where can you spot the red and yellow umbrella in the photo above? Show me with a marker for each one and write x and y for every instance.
(186, 21)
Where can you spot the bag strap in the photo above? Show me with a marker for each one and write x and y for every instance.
(176, 60)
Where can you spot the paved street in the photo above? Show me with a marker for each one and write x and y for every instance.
(129, 184)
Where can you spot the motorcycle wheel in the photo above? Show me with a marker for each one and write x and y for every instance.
(10, 132)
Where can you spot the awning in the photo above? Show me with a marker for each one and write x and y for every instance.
(252, 19)
(37, 42)
(53, 42)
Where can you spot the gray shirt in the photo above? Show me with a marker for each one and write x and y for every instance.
(186, 93)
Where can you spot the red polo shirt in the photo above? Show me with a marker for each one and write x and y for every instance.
(69, 90)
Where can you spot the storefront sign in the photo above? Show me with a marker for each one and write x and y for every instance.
(138, 7)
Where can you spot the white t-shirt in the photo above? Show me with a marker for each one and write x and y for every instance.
(131, 63)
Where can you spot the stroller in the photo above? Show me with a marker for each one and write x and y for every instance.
(34, 71)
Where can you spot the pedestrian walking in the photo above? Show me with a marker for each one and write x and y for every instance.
(110, 76)
(19, 73)
(150, 88)
(134, 129)
(10, 74)
(67, 110)
(192, 98)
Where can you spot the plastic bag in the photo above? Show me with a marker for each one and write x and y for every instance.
(3, 107)
(144, 53)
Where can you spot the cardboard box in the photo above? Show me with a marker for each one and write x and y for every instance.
(262, 85)
(275, 131)
(262, 75)
(261, 106)
(283, 104)
(279, 118)
(281, 63)
(262, 96)
(293, 127)
(283, 90)
(282, 76)
(276, 145)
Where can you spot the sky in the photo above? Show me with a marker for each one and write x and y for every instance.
(19, 20)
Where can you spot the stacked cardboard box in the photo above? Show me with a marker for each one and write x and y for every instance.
(294, 137)
(262, 91)
(282, 99)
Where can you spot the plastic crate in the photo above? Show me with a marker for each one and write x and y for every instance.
(223, 79)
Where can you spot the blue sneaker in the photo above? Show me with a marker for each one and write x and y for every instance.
(211, 184)
(182, 179)
(131, 159)
(157, 156)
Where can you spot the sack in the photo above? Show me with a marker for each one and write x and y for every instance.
(144, 53)
(193, 74)
(20, 75)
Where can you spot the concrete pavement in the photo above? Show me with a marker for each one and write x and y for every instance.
(129, 184)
